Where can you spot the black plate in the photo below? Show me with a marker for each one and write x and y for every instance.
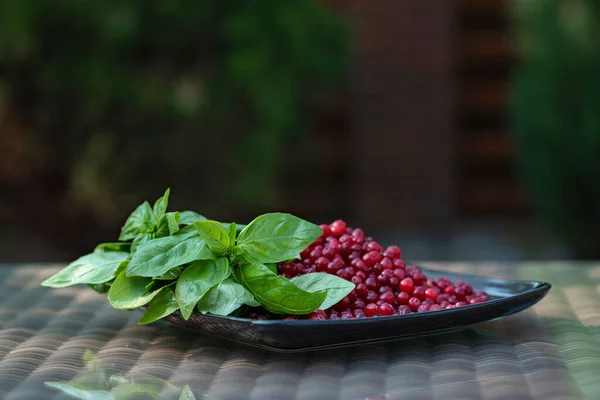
(508, 297)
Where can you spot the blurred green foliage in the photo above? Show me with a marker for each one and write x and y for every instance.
(556, 114)
(123, 97)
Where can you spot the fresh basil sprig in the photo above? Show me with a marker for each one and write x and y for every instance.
(169, 261)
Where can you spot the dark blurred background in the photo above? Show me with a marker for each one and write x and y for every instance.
(458, 129)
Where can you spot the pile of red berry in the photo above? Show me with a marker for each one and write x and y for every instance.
(385, 285)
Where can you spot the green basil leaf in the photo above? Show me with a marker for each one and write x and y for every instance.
(99, 288)
(141, 239)
(238, 227)
(141, 220)
(272, 267)
(160, 206)
(197, 279)
(232, 233)
(225, 298)
(214, 234)
(136, 391)
(122, 267)
(162, 305)
(95, 268)
(186, 394)
(276, 293)
(78, 391)
(271, 238)
(189, 217)
(157, 256)
(130, 292)
(168, 224)
(336, 287)
(114, 246)
(171, 274)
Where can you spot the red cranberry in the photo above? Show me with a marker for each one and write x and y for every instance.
(346, 315)
(371, 296)
(449, 290)
(414, 303)
(431, 294)
(328, 252)
(371, 283)
(399, 273)
(419, 293)
(460, 304)
(413, 269)
(442, 297)
(404, 309)
(356, 280)
(342, 304)
(358, 304)
(343, 274)
(394, 282)
(332, 268)
(442, 283)
(371, 309)
(345, 239)
(428, 302)
(459, 292)
(317, 314)
(359, 264)
(361, 289)
(468, 289)
(443, 304)
(374, 246)
(361, 274)
(326, 230)
(386, 263)
(407, 285)
(383, 279)
(377, 268)
(337, 227)
(476, 300)
(418, 278)
(306, 253)
(334, 245)
(385, 289)
(435, 307)
(388, 297)
(403, 298)
(316, 253)
(352, 295)
(371, 258)
(423, 308)
(399, 264)
(290, 269)
(386, 309)
(346, 247)
(358, 236)
(321, 263)
(452, 300)
(393, 252)
(449, 306)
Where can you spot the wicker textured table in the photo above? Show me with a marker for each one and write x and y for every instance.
(551, 351)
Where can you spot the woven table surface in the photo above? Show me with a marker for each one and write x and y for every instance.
(550, 351)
